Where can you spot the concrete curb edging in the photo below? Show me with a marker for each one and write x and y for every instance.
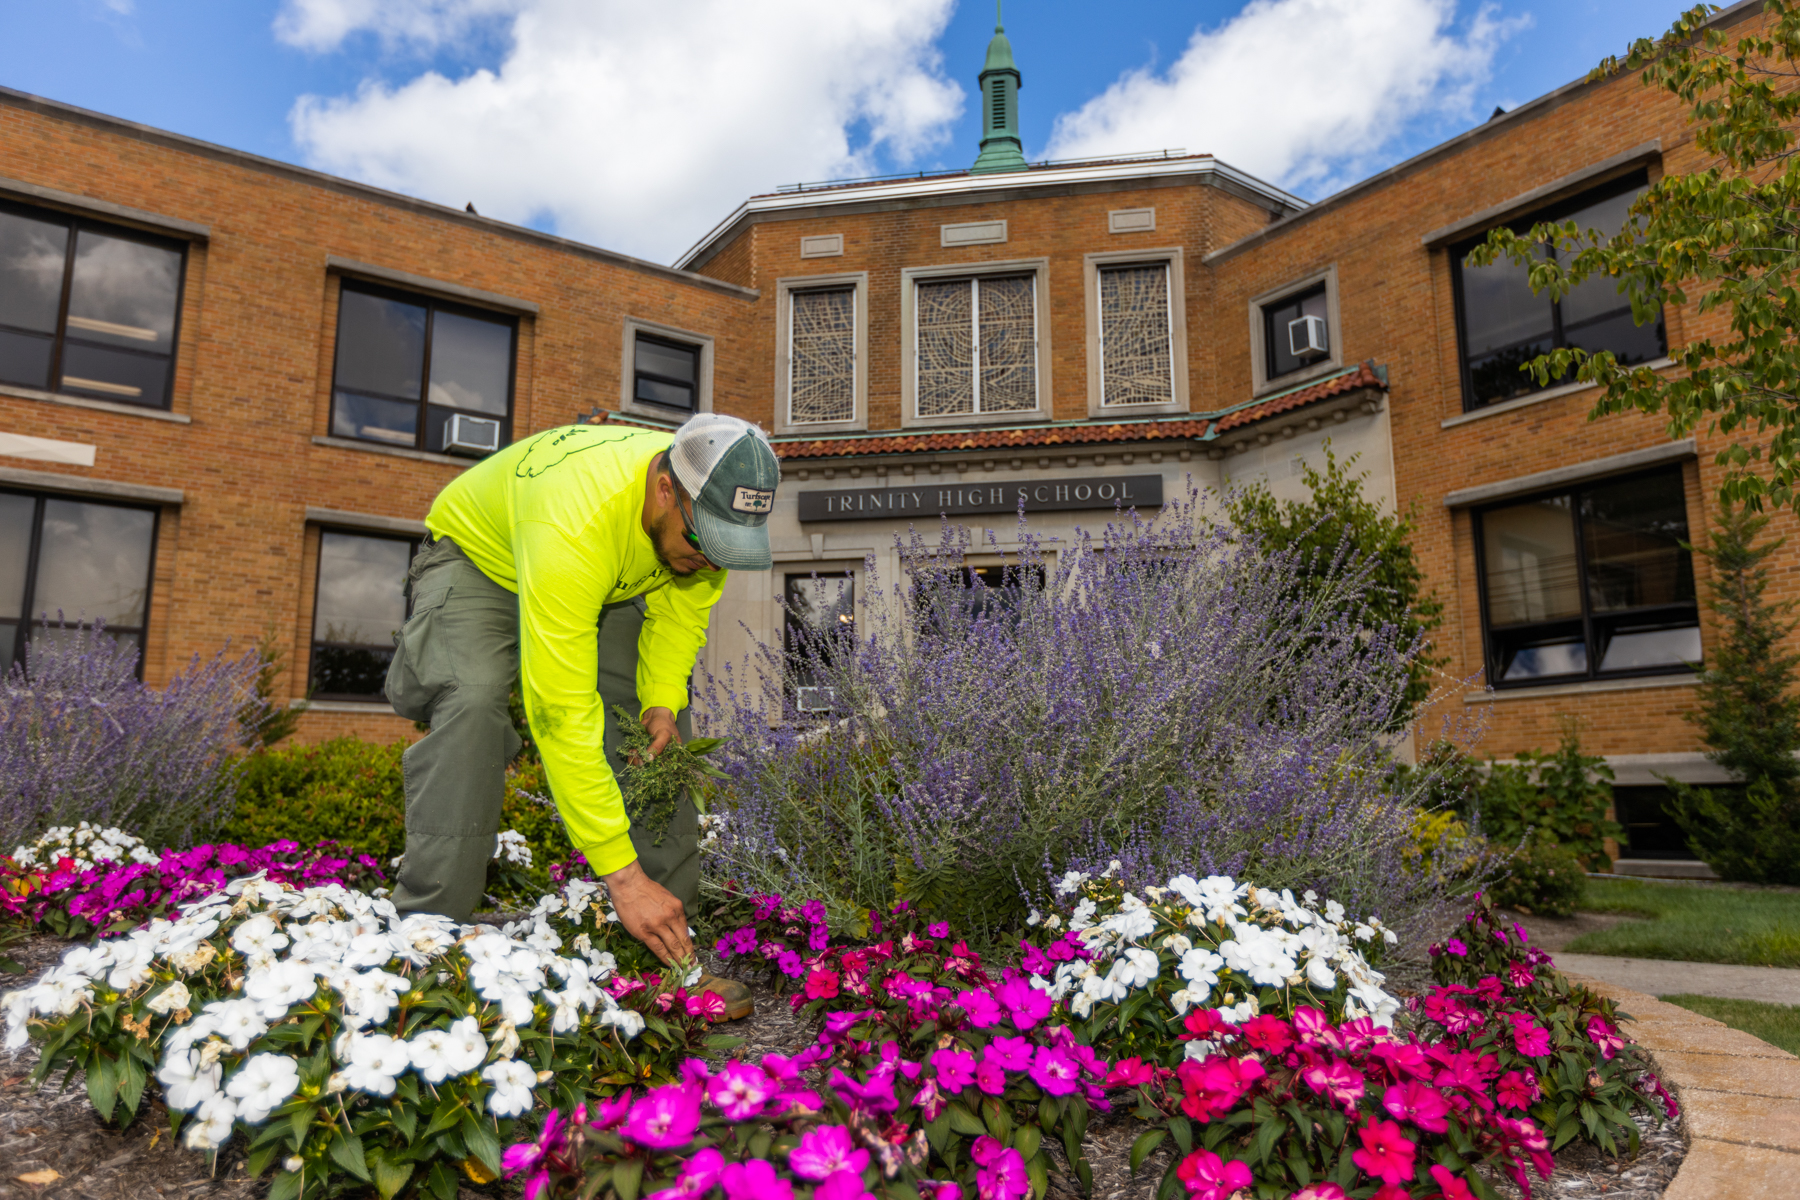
(1739, 1096)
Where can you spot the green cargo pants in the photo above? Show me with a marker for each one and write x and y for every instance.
(454, 665)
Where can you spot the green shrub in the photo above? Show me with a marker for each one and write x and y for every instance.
(1563, 796)
(345, 789)
(1544, 878)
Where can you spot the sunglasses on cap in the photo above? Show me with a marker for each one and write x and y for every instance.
(683, 507)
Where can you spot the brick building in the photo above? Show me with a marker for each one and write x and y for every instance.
(230, 387)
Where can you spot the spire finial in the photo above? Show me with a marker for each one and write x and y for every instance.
(999, 25)
(1000, 81)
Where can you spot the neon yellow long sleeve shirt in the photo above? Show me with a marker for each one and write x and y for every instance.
(558, 519)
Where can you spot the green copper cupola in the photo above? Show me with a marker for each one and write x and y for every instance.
(1000, 146)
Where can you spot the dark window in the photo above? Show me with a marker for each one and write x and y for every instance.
(87, 309)
(1650, 832)
(359, 606)
(1502, 325)
(820, 620)
(408, 366)
(72, 563)
(666, 373)
(1588, 583)
(1288, 348)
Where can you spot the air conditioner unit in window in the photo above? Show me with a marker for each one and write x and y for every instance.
(464, 434)
(1306, 338)
(815, 699)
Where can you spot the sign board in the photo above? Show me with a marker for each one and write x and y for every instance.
(961, 499)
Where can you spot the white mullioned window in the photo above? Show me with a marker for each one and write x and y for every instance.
(822, 356)
(976, 345)
(1136, 335)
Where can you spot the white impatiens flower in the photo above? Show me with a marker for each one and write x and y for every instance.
(280, 987)
(258, 935)
(1083, 915)
(239, 1022)
(370, 949)
(170, 999)
(628, 1023)
(1137, 967)
(510, 845)
(186, 1083)
(1070, 881)
(1201, 970)
(262, 1084)
(376, 1060)
(131, 964)
(211, 1126)
(512, 1087)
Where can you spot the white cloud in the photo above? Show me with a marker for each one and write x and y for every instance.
(1300, 92)
(633, 125)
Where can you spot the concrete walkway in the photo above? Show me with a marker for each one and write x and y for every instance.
(1663, 977)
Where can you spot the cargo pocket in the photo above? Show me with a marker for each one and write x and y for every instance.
(416, 675)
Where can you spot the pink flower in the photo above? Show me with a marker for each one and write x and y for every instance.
(1520, 975)
(990, 1077)
(1209, 1177)
(940, 1191)
(609, 1114)
(821, 984)
(1386, 1153)
(1391, 1191)
(740, 1091)
(1212, 1087)
(526, 1155)
(1339, 1081)
(755, 1180)
(1450, 1187)
(698, 1175)
(983, 1011)
(1319, 1191)
(789, 964)
(824, 1151)
(1055, 1071)
(1013, 1054)
(1418, 1104)
(938, 929)
(877, 1095)
(709, 1006)
(1025, 1003)
(1604, 1036)
(1130, 1072)
(1490, 989)
(1517, 1089)
(984, 1150)
(1271, 1035)
(955, 1069)
(664, 1119)
(1002, 1176)
(842, 1185)
(1456, 947)
(1530, 1039)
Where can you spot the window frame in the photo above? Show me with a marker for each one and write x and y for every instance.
(1588, 619)
(432, 304)
(910, 277)
(785, 290)
(632, 327)
(76, 222)
(28, 619)
(312, 624)
(1173, 260)
(1560, 209)
(1260, 382)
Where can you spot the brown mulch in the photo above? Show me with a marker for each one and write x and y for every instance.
(54, 1129)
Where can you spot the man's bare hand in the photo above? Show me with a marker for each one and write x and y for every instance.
(659, 723)
(650, 912)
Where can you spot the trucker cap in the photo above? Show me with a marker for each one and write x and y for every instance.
(728, 467)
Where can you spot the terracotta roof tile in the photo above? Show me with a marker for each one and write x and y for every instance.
(1363, 376)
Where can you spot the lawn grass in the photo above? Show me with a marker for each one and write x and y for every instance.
(1693, 923)
(1776, 1024)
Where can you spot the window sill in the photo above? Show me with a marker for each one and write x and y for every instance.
(1584, 688)
(1555, 393)
(959, 420)
(449, 460)
(1294, 379)
(377, 708)
(129, 410)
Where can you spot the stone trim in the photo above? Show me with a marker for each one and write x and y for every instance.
(448, 460)
(369, 521)
(124, 410)
(101, 489)
(1594, 468)
(422, 283)
(1740, 1099)
(18, 189)
(1538, 197)
(1630, 683)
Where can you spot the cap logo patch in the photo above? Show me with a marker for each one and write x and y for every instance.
(751, 500)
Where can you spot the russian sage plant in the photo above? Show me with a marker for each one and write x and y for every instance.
(1159, 692)
(82, 739)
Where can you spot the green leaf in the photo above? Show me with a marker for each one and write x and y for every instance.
(258, 1160)
(347, 1152)
(1147, 1141)
(1170, 1182)
(596, 1183)
(1183, 1130)
(963, 1121)
(103, 1086)
(390, 1175)
(627, 1177)
(298, 1122)
(441, 1183)
(1084, 1170)
(759, 1144)
(448, 1115)
(1266, 1135)
(131, 1086)
(406, 1119)
(482, 1141)
(1026, 1140)
(286, 1186)
(937, 1130)
(1038, 1168)
(997, 1119)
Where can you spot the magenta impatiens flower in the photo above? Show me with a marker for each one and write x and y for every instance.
(983, 1012)
(1002, 1175)
(1319, 1191)
(1055, 1071)
(824, 1151)
(843, 1185)
(1457, 947)
(1530, 1038)
(741, 1091)
(1520, 975)
(1130, 1072)
(1604, 1036)
(1209, 1177)
(1517, 1089)
(1014, 1054)
(938, 929)
(821, 984)
(754, 1180)
(1418, 1104)
(990, 1077)
(1339, 1081)
(1386, 1153)
(664, 1119)
(876, 1095)
(1450, 1185)
(1024, 1003)
(955, 1069)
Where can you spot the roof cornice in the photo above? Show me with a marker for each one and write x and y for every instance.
(57, 110)
(977, 189)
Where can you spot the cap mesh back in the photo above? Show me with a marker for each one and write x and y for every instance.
(701, 443)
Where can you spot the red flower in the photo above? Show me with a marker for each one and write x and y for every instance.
(1450, 1186)
(1418, 1104)
(1517, 1089)
(1386, 1153)
(1339, 1081)
(1129, 1072)
(1212, 1087)
(821, 984)
(1271, 1035)
(1206, 1024)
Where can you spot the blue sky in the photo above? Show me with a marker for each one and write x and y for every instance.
(639, 126)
